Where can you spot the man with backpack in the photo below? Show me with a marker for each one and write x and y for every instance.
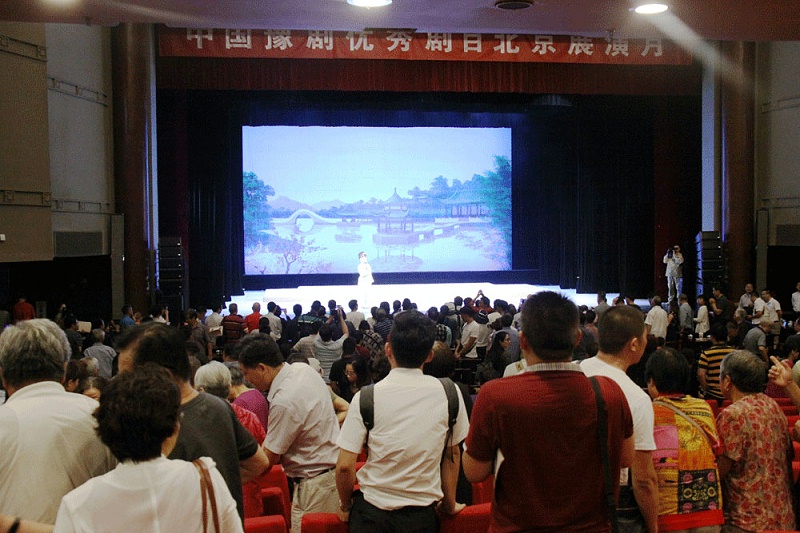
(412, 460)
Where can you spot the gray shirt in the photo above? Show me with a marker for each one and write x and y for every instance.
(104, 355)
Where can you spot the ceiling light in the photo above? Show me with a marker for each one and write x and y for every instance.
(649, 8)
(513, 4)
(369, 3)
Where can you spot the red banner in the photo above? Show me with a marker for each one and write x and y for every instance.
(399, 44)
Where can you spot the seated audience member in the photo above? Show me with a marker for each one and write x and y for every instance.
(305, 345)
(302, 425)
(406, 473)
(93, 387)
(370, 340)
(139, 421)
(494, 363)
(356, 375)
(209, 426)
(553, 405)
(48, 443)
(443, 365)
(383, 324)
(755, 472)
(104, 355)
(244, 396)
(73, 336)
(686, 441)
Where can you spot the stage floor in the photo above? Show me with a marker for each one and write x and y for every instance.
(424, 295)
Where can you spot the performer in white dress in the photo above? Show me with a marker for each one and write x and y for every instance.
(365, 279)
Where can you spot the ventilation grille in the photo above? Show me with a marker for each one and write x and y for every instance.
(787, 235)
(78, 243)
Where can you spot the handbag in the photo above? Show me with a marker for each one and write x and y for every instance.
(207, 493)
(714, 443)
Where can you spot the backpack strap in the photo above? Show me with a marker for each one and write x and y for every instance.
(452, 411)
(366, 405)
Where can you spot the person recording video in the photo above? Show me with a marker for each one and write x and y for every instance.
(674, 259)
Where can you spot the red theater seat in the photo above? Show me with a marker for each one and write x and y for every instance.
(473, 519)
(265, 524)
(323, 523)
(483, 492)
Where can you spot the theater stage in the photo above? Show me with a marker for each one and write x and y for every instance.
(424, 295)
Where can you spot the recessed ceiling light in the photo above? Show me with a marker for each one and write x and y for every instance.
(513, 4)
(369, 3)
(650, 9)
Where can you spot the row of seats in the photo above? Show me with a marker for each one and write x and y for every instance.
(268, 508)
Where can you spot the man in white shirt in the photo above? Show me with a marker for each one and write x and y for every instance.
(747, 299)
(772, 312)
(657, 319)
(470, 332)
(47, 435)
(302, 425)
(355, 316)
(796, 300)
(622, 340)
(404, 476)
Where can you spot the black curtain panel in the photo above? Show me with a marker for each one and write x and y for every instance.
(583, 207)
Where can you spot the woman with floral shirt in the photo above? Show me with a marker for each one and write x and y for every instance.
(756, 446)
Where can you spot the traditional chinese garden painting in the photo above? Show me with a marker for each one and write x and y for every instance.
(419, 199)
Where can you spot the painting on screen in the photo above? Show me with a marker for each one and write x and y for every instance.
(418, 199)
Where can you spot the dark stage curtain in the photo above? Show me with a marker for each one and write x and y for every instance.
(585, 167)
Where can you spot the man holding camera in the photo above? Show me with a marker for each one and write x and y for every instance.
(674, 261)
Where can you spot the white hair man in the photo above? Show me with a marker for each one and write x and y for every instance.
(48, 438)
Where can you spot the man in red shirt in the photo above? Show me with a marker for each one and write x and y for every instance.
(233, 326)
(251, 320)
(22, 310)
(545, 421)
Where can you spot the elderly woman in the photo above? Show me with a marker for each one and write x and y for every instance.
(686, 441)
(215, 378)
(754, 466)
(138, 420)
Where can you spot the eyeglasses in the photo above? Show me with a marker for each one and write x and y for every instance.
(349, 373)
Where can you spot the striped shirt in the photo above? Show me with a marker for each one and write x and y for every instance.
(709, 361)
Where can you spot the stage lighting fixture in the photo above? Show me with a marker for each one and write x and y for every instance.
(644, 7)
(369, 3)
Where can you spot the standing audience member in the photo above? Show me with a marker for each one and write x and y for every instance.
(754, 466)
(470, 332)
(623, 339)
(657, 319)
(251, 320)
(209, 427)
(686, 438)
(702, 324)
(327, 350)
(686, 315)
(139, 421)
(747, 300)
(244, 396)
(48, 443)
(302, 426)
(710, 359)
(198, 334)
(104, 355)
(545, 417)
(233, 326)
(22, 310)
(406, 473)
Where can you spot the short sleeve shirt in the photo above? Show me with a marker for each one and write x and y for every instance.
(756, 491)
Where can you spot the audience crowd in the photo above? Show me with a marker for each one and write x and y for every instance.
(610, 418)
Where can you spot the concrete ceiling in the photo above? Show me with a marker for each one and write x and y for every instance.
(754, 20)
